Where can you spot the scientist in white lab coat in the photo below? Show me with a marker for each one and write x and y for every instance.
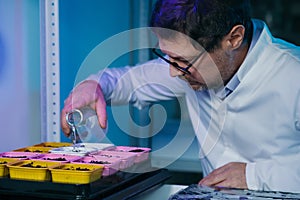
(241, 86)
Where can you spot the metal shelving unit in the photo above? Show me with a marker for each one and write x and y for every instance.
(50, 68)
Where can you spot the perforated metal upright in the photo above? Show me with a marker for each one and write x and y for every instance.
(50, 70)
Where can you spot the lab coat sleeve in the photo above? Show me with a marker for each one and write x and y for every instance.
(277, 174)
(281, 170)
(139, 85)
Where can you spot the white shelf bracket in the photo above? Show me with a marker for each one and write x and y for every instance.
(50, 71)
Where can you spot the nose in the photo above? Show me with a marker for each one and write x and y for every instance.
(174, 72)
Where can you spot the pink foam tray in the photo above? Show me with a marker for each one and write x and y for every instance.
(111, 165)
(58, 157)
(20, 155)
(142, 153)
(127, 159)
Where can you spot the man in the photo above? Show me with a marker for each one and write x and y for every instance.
(243, 96)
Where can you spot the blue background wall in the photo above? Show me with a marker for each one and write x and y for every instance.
(84, 25)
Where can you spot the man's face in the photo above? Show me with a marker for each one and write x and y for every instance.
(204, 72)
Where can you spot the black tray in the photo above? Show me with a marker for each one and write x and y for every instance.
(122, 185)
(208, 193)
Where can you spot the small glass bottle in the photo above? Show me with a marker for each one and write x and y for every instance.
(85, 126)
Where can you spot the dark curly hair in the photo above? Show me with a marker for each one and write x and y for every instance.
(205, 21)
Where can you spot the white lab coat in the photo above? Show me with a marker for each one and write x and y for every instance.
(256, 123)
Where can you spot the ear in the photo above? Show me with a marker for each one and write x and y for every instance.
(235, 37)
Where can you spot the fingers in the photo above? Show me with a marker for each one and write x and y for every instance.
(100, 107)
(216, 177)
(101, 112)
(65, 127)
(67, 108)
(229, 175)
(88, 93)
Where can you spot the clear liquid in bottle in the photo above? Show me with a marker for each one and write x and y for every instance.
(86, 125)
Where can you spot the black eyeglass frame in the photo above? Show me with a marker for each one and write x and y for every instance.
(184, 70)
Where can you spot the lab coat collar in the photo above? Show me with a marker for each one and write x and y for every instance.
(260, 34)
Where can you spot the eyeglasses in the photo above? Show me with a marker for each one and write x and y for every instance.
(184, 70)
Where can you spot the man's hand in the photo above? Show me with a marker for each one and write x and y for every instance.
(88, 93)
(231, 175)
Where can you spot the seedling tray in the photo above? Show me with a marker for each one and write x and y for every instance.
(111, 165)
(35, 149)
(121, 185)
(54, 144)
(3, 165)
(33, 170)
(76, 173)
